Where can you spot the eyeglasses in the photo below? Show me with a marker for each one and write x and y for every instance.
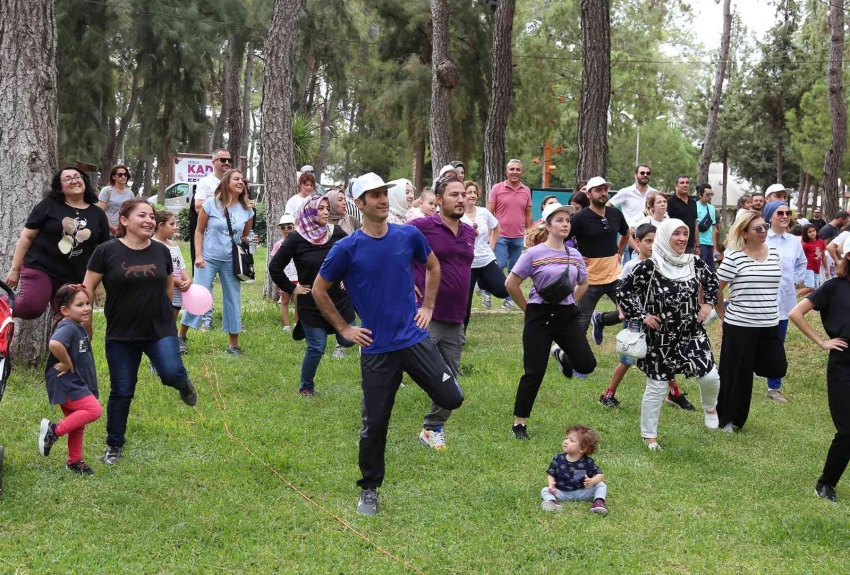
(122, 175)
(69, 179)
(287, 227)
(781, 214)
(225, 160)
(644, 173)
(605, 224)
(759, 229)
(708, 195)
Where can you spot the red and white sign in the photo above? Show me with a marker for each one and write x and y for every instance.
(191, 170)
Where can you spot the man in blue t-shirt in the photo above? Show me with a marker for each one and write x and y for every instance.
(375, 265)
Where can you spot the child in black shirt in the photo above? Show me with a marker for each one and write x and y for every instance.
(573, 475)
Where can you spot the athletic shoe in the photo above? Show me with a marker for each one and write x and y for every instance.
(609, 401)
(478, 291)
(486, 301)
(681, 402)
(235, 350)
(46, 437)
(433, 438)
(189, 395)
(520, 431)
(598, 507)
(508, 305)
(339, 352)
(598, 328)
(206, 326)
(654, 446)
(112, 455)
(776, 395)
(308, 392)
(825, 492)
(712, 421)
(728, 428)
(287, 329)
(368, 502)
(578, 375)
(551, 506)
(80, 468)
(564, 365)
(181, 342)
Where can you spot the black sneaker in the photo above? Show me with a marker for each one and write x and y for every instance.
(564, 365)
(681, 402)
(182, 345)
(46, 437)
(235, 350)
(520, 431)
(825, 492)
(368, 502)
(189, 395)
(609, 401)
(112, 455)
(80, 468)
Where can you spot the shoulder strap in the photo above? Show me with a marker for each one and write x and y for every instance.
(227, 219)
(648, 288)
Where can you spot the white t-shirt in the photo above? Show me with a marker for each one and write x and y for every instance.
(294, 204)
(628, 267)
(753, 288)
(631, 201)
(839, 240)
(206, 187)
(647, 220)
(484, 222)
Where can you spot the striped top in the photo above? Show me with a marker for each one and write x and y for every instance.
(753, 288)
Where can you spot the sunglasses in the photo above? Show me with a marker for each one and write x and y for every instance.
(644, 173)
(605, 224)
(759, 229)
(287, 227)
(780, 214)
(708, 195)
(225, 160)
(122, 175)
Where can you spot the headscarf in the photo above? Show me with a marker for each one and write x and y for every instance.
(671, 265)
(306, 223)
(771, 207)
(398, 197)
(334, 216)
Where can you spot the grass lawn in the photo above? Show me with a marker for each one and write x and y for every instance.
(187, 498)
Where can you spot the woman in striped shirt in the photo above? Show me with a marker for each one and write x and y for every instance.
(752, 341)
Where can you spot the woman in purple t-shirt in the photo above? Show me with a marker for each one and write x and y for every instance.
(551, 313)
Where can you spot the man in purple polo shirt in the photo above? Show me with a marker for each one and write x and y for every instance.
(510, 202)
(452, 241)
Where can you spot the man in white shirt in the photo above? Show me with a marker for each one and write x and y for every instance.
(206, 186)
(632, 200)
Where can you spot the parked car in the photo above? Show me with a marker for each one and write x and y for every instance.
(177, 195)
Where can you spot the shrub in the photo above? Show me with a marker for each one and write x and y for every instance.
(183, 224)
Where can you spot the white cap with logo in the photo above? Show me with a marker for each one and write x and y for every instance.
(551, 209)
(597, 181)
(367, 183)
(286, 219)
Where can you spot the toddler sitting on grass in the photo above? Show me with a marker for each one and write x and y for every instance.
(573, 475)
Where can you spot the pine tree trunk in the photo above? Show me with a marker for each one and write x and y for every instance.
(247, 134)
(595, 89)
(110, 155)
(231, 108)
(326, 131)
(499, 109)
(444, 77)
(724, 197)
(714, 105)
(28, 137)
(837, 111)
(419, 165)
(779, 157)
(815, 185)
(803, 206)
(277, 147)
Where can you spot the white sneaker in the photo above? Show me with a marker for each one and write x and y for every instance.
(339, 352)
(654, 446)
(287, 329)
(712, 421)
(509, 305)
(728, 428)
(486, 301)
(433, 438)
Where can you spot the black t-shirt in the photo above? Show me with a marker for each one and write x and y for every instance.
(687, 212)
(66, 239)
(137, 304)
(818, 224)
(827, 233)
(308, 260)
(597, 238)
(832, 300)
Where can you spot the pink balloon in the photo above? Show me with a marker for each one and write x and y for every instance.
(197, 299)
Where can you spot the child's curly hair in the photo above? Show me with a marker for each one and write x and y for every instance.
(536, 235)
(587, 438)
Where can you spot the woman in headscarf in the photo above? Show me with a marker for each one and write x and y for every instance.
(401, 200)
(308, 246)
(662, 294)
(337, 216)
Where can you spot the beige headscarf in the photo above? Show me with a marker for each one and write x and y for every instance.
(336, 218)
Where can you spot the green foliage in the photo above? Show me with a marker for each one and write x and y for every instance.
(305, 139)
(183, 224)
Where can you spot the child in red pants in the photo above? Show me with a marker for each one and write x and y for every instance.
(70, 377)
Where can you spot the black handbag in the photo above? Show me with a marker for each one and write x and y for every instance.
(558, 289)
(706, 222)
(243, 259)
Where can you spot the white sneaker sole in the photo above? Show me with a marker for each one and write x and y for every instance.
(42, 434)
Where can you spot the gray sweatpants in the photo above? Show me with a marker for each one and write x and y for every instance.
(448, 338)
(598, 491)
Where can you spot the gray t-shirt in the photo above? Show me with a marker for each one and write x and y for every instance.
(114, 199)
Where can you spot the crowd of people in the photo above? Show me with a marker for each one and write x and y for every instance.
(408, 267)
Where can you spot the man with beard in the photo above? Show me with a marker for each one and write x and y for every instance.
(632, 200)
(452, 241)
(817, 219)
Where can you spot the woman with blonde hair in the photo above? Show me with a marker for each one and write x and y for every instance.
(751, 338)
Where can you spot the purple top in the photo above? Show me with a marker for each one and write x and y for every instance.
(455, 254)
(544, 264)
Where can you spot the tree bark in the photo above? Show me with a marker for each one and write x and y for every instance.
(277, 147)
(326, 130)
(110, 155)
(837, 111)
(499, 108)
(28, 137)
(803, 204)
(595, 89)
(444, 77)
(246, 110)
(714, 105)
(724, 197)
(419, 165)
(231, 107)
(815, 185)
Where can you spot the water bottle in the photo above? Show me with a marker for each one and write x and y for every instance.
(252, 247)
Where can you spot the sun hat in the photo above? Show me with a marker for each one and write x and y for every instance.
(367, 183)
(446, 168)
(307, 168)
(597, 181)
(286, 219)
(550, 210)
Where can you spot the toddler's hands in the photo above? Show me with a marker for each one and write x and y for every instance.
(552, 489)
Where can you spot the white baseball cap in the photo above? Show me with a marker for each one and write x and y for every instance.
(597, 181)
(367, 183)
(286, 219)
(550, 210)
(307, 168)
(445, 169)
(776, 188)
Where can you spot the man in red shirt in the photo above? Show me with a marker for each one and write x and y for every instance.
(510, 202)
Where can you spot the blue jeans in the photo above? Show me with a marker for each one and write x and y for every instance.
(598, 491)
(317, 339)
(123, 359)
(231, 295)
(783, 331)
(507, 253)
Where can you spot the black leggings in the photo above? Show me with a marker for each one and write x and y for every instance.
(545, 323)
(838, 391)
(492, 280)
